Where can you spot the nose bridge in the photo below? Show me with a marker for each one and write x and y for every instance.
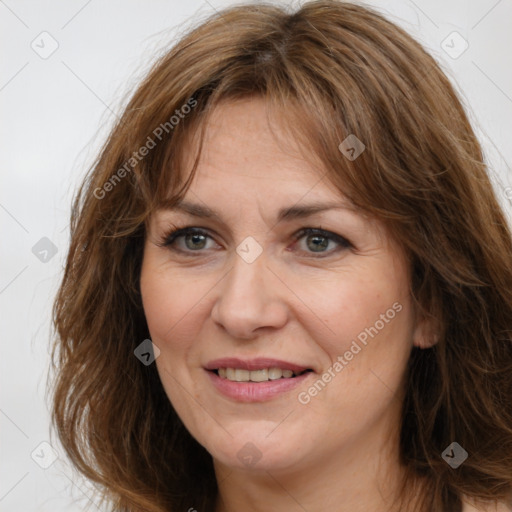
(245, 285)
(247, 299)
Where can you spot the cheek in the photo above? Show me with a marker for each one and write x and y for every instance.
(159, 302)
(369, 320)
(358, 305)
(372, 324)
(370, 329)
(168, 302)
(171, 307)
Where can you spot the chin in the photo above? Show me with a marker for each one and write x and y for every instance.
(257, 452)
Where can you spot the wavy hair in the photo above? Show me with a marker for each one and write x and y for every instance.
(329, 69)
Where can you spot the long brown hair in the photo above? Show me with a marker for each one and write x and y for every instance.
(330, 69)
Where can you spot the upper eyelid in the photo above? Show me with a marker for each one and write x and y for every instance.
(180, 232)
(210, 232)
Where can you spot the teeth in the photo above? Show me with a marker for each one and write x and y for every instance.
(266, 374)
(242, 375)
(274, 373)
(258, 375)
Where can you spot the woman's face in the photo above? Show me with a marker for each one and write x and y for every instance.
(252, 287)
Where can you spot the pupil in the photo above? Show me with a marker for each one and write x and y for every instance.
(318, 242)
(194, 239)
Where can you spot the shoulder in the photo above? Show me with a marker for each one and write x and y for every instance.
(469, 505)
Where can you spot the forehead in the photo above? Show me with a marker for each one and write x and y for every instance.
(245, 140)
(250, 163)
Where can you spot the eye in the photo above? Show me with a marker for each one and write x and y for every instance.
(318, 241)
(192, 240)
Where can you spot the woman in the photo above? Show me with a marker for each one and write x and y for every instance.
(289, 285)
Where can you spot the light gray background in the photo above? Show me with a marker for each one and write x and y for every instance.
(54, 115)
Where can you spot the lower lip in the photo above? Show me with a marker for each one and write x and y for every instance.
(255, 391)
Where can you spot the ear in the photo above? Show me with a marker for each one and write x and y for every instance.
(426, 332)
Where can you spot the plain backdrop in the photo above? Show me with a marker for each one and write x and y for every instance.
(66, 71)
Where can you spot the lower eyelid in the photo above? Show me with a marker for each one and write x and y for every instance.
(170, 240)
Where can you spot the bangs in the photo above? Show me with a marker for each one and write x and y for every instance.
(310, 121)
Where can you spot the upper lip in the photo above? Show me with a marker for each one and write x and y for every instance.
(259, 363)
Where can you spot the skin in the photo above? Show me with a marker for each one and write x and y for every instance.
(339, 451)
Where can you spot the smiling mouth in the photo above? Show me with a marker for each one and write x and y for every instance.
(263, 375)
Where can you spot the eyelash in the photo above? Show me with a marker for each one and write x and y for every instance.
(169, 238)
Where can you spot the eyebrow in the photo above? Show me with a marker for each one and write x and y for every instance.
(285, 214)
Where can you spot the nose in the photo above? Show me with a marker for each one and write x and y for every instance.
(248, 299)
